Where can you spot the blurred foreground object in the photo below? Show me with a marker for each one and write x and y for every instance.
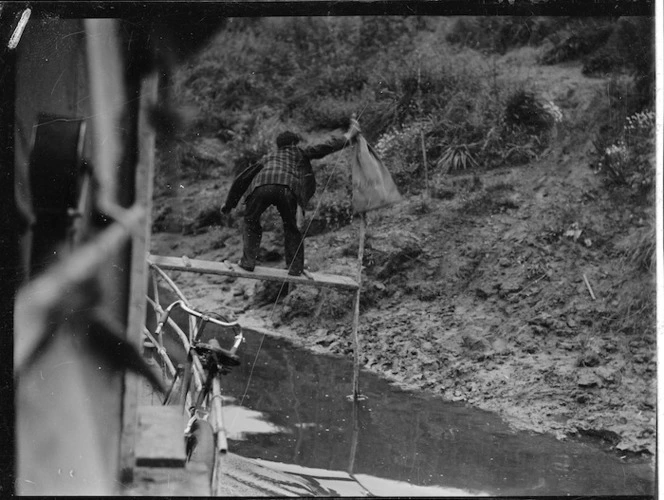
(78, 97)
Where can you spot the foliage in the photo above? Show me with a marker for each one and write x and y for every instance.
(635, 43)
(580, 40)
(456, 158)
(499, 33)
(524, 110)
(629, 160)
(182, 159)
(328, 113)
(601, 63)
(332, 212)
(258, 138)
(636, 311)
(401, 79)
(401, 149)
(379, 32)
(642, 251)
(605, 44)
(525, 129)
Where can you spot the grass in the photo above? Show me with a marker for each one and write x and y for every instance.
(641, 251)
(258, 77)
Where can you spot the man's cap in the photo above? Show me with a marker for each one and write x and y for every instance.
(288, 138)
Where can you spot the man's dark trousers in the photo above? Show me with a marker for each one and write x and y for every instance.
(285, 200)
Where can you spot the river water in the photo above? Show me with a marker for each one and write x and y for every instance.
(295, 410)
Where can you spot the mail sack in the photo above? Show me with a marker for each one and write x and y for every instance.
(373, 186)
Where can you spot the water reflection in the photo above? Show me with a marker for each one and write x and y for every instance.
(241, 422)
(388, 488)
(405, 437)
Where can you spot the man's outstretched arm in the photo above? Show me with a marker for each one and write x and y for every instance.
(334, 143)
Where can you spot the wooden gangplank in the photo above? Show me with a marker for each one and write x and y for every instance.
(226, 268)
(160, 439)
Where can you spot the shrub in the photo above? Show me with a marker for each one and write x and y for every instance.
(499, 33)
(182, 159)
(256, 138)
(635, 36)
(580, 40)
(642, 250)
(601, 63)
(525, 128)
(629, 160)
(402, 145)
(379, 32)
(456, 158)
(525, 111)
(333, 212)
(401, 151)
(636, 310)
(328, 112)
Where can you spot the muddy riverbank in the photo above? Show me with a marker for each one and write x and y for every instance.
(507, 289)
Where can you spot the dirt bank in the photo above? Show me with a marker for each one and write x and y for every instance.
(481, 293)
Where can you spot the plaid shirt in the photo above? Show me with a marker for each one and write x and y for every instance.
(291, 166)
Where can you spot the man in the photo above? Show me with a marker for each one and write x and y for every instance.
(284, 179)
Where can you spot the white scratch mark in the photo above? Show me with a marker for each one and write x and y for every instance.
(56, 81)
(64, 363)
(16, 36)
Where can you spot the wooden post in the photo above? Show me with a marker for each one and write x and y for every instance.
(356, 309)
(354, 437)
(139, 275)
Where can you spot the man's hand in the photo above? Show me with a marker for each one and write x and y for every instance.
(354, 129)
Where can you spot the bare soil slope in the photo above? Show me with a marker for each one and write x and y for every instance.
(479, 297)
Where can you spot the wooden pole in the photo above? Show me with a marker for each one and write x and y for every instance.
(356, 309)
(139, 274)
(354, 437)
(49, 292)
(161, 351)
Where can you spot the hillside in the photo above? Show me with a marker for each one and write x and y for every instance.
(477, 292)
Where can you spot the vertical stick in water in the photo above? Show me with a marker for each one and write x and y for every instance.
(354, 438)
(356, 310)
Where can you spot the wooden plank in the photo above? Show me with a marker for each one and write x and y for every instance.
(160, 440)
(226, 268)
(190, 481)
(139, 270)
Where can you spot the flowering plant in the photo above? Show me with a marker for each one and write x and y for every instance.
(629, 160)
